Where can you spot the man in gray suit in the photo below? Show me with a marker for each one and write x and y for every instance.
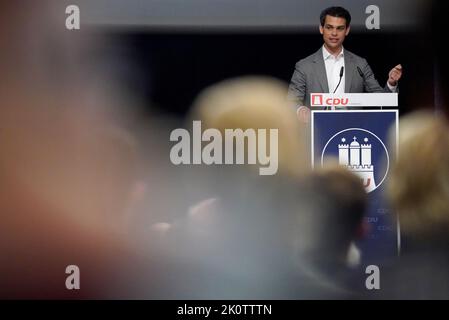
(332, 69)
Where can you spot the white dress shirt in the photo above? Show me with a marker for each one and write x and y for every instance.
(333, 66)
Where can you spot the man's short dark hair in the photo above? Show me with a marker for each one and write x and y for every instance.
(338, 12)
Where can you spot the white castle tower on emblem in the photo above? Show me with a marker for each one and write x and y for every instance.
(357, 158)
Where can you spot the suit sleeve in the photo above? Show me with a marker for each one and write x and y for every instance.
(371, 84)
(297, 88)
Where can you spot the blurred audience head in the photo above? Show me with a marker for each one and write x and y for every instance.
(254, 103)
(68, 164)
(337, 204)
(419, 183)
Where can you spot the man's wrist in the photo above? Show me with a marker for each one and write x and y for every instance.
(392, 87)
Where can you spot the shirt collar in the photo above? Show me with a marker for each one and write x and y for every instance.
(327, 54)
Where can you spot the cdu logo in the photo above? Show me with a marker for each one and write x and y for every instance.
(361, 152)
(317, 99)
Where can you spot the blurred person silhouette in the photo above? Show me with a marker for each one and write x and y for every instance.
(231, 225)
(68, 165)
(419, 192)
(243, 103)
(241, 238)
(418, 188)
(333, 221)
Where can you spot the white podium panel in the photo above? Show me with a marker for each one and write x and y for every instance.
(354, 100)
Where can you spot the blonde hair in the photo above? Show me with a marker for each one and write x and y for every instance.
(419, 184)
(256, 103)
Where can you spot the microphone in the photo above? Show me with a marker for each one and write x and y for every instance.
(341, 75)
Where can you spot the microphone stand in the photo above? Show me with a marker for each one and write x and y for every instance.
(339, 81)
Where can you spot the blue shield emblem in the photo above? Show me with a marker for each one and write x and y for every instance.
(361, 152)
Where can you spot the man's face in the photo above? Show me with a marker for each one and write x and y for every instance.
(334, 32)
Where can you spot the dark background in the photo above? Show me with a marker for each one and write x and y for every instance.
(169, 69)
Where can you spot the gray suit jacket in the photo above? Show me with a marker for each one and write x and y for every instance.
(310, 77)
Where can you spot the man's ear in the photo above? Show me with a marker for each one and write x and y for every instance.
(347, 30)
(321, 29)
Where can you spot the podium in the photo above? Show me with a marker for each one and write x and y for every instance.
(353, 100)
(365, 142)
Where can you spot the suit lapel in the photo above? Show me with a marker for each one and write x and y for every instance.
(349, 71)
(321, 70)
